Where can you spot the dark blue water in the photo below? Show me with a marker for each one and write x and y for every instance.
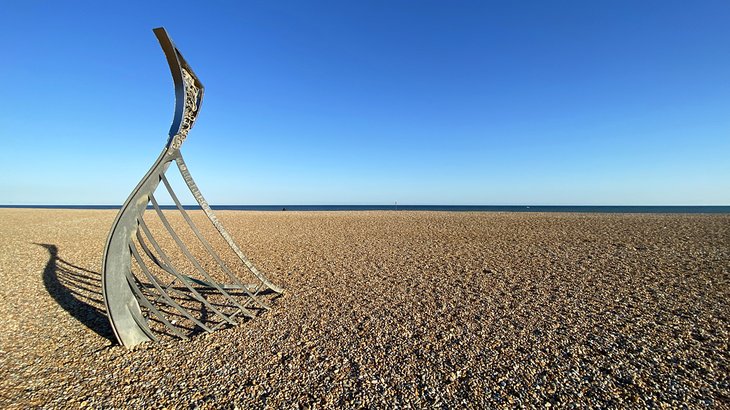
(448, 208)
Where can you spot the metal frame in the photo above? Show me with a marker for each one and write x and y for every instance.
(124, 293)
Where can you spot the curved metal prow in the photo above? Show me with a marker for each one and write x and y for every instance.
(131, 299)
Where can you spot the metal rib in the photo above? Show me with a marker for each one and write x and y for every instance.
(218, 226)
(153, 279)
(208, 247)
(124, 296)
(192, 259)
(169, 268)
(146, 303)
(156, 261)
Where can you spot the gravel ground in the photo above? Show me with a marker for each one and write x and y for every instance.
(391, 309)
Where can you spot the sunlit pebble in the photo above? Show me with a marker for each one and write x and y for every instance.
(485, 308)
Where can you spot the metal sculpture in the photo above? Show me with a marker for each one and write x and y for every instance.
(135, 264)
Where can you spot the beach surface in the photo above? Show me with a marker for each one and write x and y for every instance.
(390, 309)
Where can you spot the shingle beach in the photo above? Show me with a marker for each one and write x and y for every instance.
(390, 310)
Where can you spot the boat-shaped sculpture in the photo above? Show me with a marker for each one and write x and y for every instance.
(146, 288)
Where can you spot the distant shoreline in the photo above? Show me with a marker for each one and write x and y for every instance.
(698, 209)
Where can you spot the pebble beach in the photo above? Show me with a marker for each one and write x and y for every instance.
(390, 309)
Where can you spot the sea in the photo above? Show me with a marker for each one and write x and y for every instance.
(720, 209)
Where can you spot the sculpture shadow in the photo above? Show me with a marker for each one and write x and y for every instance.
(78, 291)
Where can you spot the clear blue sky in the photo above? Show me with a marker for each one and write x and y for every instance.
(544, 102)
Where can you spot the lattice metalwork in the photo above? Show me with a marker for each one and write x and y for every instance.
(150, 288)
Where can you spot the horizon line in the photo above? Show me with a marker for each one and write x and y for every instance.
(379, 205)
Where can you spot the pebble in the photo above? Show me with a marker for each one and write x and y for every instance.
(389, 309)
